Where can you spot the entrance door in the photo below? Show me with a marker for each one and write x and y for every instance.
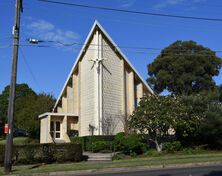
(56, 129)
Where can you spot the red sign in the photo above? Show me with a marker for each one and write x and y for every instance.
(6, 128)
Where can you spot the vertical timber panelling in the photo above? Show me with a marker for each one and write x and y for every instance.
(113, 89)
(87, 88)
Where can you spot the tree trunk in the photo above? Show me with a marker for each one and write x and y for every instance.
(159, 146)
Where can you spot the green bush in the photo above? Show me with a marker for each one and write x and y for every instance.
(119, 141)
(73, 133)
(118, 156)
(87, 141)
(194, 150)
(101, 146)
(152, 152)
(172, 146)
(43, 153)
(76, 140)
(130, 144)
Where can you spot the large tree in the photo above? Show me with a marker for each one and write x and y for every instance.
(27, 117)
(184, 68)
(28, 105)
(158, 116)
(22, 90)
(208, 129)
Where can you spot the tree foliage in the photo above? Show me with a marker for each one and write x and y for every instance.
(28, 105)
(158, 116)
(207, 131)
(27, 117)
(184, 68)
(22, 90)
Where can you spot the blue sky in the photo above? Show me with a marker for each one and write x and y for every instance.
(46, 69)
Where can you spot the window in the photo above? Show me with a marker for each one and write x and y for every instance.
(55, 128)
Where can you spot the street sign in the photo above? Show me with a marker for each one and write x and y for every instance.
(6, 128)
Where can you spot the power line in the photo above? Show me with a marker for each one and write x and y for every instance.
(147, 53)
(29, 68)
(34, 41)
(166, 24)
(131, 11)
(126, 47)
(5, 46)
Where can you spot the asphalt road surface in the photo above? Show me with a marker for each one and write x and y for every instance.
(195, 171)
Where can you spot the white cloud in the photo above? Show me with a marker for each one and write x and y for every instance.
(44, 30)
(166, 3)
(41, 25)
(126, 3)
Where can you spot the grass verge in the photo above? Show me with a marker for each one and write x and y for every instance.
(147, 161)
(16, 140)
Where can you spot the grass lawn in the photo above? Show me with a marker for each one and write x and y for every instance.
(145, 161)
(16, 140)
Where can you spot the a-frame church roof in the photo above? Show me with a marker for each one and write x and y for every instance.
(95, 26)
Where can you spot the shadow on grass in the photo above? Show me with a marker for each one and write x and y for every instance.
(36, 166)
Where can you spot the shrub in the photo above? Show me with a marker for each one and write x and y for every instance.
(119, 141)
(49, 152)
(46, 153)
(73, 133)
(133, 143)
(172, 146)
(118, 156)
(87, 141)
(76, 140)
(152, 152)
(101, 146)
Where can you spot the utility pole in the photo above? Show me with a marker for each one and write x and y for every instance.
(9, 140)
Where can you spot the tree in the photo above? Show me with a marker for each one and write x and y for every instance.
(27, 117)
(158, 116)
(195, 107)
(22, 90)
(210, 131)
(207, 129)
(109, 123)
(28, 105)
(184, 68)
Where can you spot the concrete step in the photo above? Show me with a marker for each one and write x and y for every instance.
(98, 156)
(99, 159)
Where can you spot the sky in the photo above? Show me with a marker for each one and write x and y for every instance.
(45, 69)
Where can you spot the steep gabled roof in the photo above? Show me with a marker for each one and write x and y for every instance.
(97, 24)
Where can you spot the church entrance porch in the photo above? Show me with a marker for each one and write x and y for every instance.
(55, 127)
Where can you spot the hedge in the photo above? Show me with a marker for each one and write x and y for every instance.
(43, 153)
(89, 142)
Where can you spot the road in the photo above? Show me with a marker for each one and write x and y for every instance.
(195, 171)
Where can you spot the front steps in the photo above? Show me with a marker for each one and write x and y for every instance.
(98, 156)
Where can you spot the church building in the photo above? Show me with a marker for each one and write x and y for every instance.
(101, 91)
